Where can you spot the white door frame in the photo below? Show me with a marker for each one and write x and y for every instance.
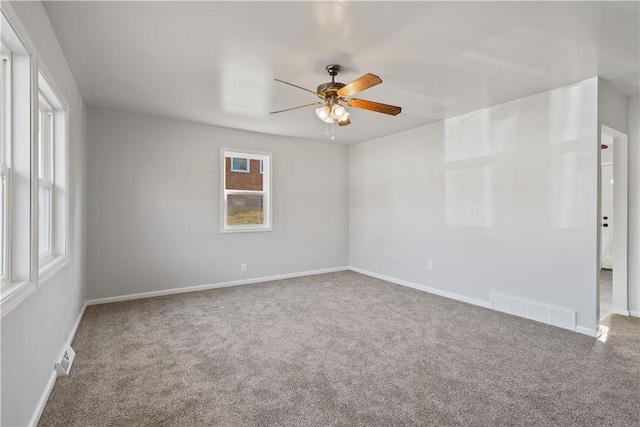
(602, 220)
(619, 303)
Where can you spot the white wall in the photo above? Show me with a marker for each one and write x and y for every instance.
(612, 107)
(503, 199)
(153, 206)
(34, 333)
(634, 206)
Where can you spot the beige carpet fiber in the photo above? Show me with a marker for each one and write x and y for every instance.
(339, 349)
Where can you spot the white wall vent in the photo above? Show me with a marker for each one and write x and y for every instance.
(63, 366)
(555, 316)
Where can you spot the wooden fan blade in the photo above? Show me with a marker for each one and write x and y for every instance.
(295, 108)
(374, 106)
(359, 84)
(300, 87)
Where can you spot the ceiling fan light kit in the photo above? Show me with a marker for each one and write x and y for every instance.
(337, 111)
(329, 114)
(324, 114)
(334, 93)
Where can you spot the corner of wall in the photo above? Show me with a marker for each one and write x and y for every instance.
(634, 205)
(612, 107)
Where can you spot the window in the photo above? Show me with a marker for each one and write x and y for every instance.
(52, 180)
(239, 164)
(18, 263)
(246, 191)
(45, 178)
(5, 170)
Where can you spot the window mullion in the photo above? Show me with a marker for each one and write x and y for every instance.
(244, 192)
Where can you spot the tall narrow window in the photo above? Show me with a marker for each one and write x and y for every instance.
(5, 165)
(18, 186)
(45, 177)
(246, 191)
(52, 181)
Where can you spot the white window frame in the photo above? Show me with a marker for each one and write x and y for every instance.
(53, 177)
(267, 209)
(5, 171)
(21, 214)
(234, 169)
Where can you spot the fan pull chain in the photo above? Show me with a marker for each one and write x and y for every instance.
(326, 130)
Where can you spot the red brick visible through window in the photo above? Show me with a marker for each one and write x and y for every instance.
(242, 180)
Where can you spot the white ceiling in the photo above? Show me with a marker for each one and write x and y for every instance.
(214, 62)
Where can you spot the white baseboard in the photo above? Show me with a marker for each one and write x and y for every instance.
(450, 295)
(33, 422)
(212, 286)
(620, 311)
(486, 304)
(37, 413)
(587, 331)
(76, 325)
(634, 313)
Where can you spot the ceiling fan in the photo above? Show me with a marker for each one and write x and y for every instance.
(334, 95)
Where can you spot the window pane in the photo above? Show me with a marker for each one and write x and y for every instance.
(44, 220)
(48, 146)
(3, 161)
(40, 145)
(3, 227)
(253, 180)
(245, 209)
(3, 113)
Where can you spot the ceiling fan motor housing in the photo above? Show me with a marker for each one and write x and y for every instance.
(333, 69)
(330, 88)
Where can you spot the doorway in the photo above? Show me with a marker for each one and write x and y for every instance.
(612, 278)
(606, 226)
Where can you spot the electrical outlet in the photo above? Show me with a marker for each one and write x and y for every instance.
(243, 267)
(429, 265)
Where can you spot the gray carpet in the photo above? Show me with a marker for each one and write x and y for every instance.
(339, 349)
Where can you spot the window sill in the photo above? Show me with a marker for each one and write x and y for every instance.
(13, 294)
(246, 229)
(50, 267)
